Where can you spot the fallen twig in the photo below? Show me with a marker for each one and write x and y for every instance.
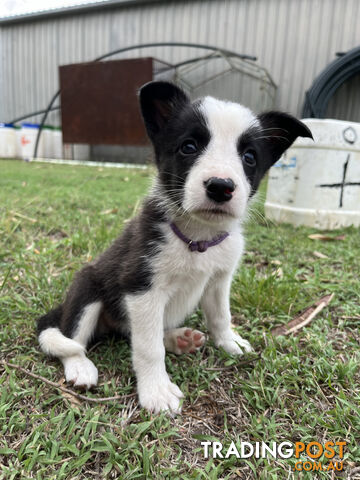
(64, 389)
(300, 321)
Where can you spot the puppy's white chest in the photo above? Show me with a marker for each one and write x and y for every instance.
(184, 275)
(186, 294)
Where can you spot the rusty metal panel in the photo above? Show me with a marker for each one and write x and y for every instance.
(99, 102)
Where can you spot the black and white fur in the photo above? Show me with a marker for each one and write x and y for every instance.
(148, 281)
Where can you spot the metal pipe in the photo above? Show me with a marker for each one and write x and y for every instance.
(328, 82)
(32, 114)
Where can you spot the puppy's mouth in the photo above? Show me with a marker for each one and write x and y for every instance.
(215, 212)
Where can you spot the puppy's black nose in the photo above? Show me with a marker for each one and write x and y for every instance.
(219, 189)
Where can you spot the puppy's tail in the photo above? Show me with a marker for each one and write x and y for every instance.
(52, 341)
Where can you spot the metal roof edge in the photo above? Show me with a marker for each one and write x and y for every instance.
(63, 11)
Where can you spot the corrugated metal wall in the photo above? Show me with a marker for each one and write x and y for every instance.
(293, 39)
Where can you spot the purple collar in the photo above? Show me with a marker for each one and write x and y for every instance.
(201, 245)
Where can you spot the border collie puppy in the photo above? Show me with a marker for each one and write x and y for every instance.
(183, 247)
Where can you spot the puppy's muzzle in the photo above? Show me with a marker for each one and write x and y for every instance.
(219, 189)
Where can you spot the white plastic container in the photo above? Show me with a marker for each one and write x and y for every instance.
(29, 133)
(318, 183)
(47, 141)
(18, 142)
(57, 143)
(7, 141)
(52, 142)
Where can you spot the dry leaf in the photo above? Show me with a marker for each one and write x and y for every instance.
(304, 317)
(319, 254)
(278, 273)
(275, 262)
(325, 238)
(110, 210)
(74, 401)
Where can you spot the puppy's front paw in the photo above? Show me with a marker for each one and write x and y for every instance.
(234, 344)
(160, 395)
(80, 371)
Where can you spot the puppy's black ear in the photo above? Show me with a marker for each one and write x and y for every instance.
(159, 102)
(280, 130)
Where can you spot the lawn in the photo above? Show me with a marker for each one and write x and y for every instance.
(300, 387)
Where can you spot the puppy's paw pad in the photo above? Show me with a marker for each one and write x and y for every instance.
(81, 372)
(164, 396)
(184, 340)
(189, 340)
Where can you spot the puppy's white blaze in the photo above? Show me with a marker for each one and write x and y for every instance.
(226, 122)
(87, 323)
(53, 342)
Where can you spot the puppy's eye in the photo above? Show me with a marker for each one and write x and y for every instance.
(249, 158)
(188, 147)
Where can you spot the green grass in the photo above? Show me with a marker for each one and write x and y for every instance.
(304, 387)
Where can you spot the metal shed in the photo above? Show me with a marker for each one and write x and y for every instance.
(293, 39)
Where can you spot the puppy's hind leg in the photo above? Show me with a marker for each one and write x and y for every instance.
(79, 370)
